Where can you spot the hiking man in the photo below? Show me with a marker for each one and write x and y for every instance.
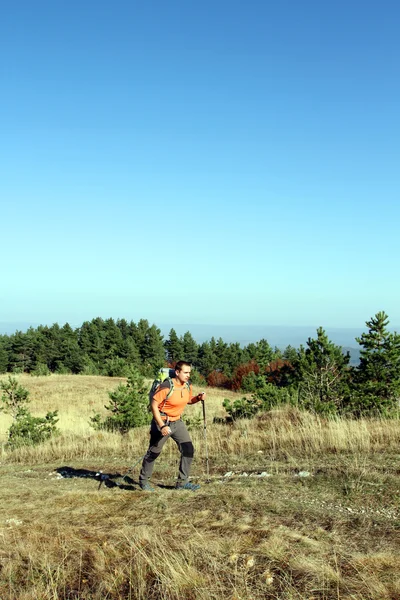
(167, 409)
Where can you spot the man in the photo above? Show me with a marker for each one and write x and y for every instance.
(167, 422)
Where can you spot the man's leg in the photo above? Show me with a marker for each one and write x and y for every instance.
(157, 442)
(181, 436)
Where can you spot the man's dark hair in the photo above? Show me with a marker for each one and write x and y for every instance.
(180, 364)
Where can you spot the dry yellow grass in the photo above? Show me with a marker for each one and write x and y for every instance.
(329, 533)
(77, 396)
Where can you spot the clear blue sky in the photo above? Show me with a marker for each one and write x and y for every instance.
(200, 162)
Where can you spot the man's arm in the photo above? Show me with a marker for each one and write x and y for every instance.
(197, 398)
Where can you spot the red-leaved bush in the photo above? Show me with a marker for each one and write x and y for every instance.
(217, 379)
(241, 371)
(277, 370)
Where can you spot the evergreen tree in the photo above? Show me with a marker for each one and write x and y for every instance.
(377, 378)
(222, 355)
(51, 346)
(235, 356)
(128, 406)
(91, 341)
(71, 355)
(152, 351)
(207, 360)
(140, 333)
(123, 326)
(40, 351)
(322, 373)
(130, 352)
(174, 347)
(21, 352)
(190, 348)
(264, 353)
(113, 340)
(261, 352)
(14, 397)
(25, 428)
(289, 354)
(4, 353)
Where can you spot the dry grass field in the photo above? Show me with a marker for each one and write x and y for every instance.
(296, 508)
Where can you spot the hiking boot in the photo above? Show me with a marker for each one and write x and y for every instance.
(193, 487)
(146, 487)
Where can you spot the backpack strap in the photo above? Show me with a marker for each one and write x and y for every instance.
(168, 383)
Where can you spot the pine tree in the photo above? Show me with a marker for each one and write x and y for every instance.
(91, 341)
(113, 340)
(22, 352)
(235, 356)
(25, 428)
(71, 356)
(130, 352)
(154, 353)
(190, 348)
(140, 334)
(222, 354)
(207, 360)
(128, 406)
(123, 326)
(264, 353)
(377, 377)
(173, 347)
(14, 397)
(322, 374)
(52, 338)
(4, 354)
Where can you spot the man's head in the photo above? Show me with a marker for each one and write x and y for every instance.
(182, 371)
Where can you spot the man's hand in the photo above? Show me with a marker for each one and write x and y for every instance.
(199, 398)
(165, 430)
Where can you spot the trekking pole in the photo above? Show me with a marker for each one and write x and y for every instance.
(205, 439)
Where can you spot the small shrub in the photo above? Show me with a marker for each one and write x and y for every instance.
(194, 422)
(217, 379)
(90, 368)
(14, 397)
(279, 372)
(28, 430)
(270, 396)
(63, 370)
(243, 408)
(116, 367)
(25, 429)
(128, 407)
(41, 370)
(252, 382)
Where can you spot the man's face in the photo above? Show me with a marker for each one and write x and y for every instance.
(184, 374)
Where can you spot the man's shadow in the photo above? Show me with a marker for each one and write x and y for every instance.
(110, 480)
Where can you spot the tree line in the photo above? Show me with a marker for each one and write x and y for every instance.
(112, 347)
(317, 376)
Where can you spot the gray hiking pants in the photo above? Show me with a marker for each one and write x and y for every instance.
(181, 436)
